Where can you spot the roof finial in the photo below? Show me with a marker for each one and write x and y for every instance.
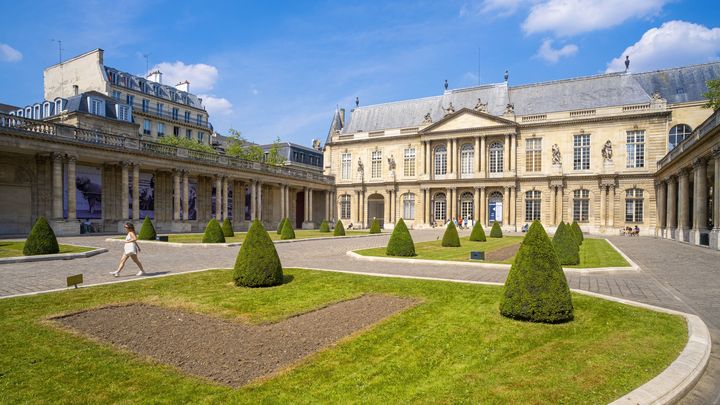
(627, 63)
(507, 75)
(357, 101)
(446, 85)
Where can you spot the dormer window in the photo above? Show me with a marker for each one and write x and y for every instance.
(96, 106)
(123, 112)
(58, 105)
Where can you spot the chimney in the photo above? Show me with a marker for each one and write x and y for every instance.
(155, 76)
(342, 118)
(183, 86)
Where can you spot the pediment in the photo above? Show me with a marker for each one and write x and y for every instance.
(467, 118)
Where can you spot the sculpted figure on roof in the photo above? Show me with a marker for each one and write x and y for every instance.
(427, 119)
(510, 108)
(480, 106)
(448, 110)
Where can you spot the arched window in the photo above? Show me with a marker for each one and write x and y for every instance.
(37, 112)
(409, 206)
(28, 112)
(532, 205)
(581, 205)
(345, 206)
(440, 160)
(440, 207)
(677, 134)
(467, 156)
(634, 205)
(495, 206)
(466, 205)
(496, 157)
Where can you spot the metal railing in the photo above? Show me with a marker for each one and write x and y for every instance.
(167, 115)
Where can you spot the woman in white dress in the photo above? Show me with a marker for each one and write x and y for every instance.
(130, 251)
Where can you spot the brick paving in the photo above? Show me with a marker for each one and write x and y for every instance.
(675, 276)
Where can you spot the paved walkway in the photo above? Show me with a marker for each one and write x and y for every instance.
(680, 277)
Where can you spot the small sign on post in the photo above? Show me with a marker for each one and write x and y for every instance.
(75, 280)
(477, 255)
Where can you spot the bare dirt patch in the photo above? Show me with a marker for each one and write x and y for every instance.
(503, 253)
(228, 352)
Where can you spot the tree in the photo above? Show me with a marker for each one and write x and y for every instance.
(147, 230)
(401, 242)
(496, 231)
(287, 231)
(41, 240)
(339, 229)
(213, 233)
(536, 289)
(375, 226)
(450, 237)
(281, 224)
(478, 233)
(239, 147)
(274, 157)
(185, 143)
(577, 232)
(324, 226)
(227, 228)
(257, 263)
(565, 245)
(713, 95)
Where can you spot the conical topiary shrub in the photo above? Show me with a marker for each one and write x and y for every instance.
(451, 238)
(496, 231)
(400, 243)
(227, 229)
(578, 233)
(375, 226)
(281, 224)
(147, 230)
(287, 232)
(41, 240)
(536, 289)
(565, 245)
(339, 229)
(324, 227)
(213, 233)
(257, 263)
(478, 233)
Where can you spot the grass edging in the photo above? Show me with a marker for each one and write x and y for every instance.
(627, 259)
(234, 244)
(56, 256)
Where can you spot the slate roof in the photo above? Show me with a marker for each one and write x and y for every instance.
(79, 103)
(614, 89)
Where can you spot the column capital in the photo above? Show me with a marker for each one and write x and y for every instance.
(700, 161)
(670, 179)
(478, 188)
(57, 156)
(71, 158)
(125, 163)
(716, 152)
(684, 172)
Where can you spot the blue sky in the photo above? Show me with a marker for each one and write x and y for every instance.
(279, 69)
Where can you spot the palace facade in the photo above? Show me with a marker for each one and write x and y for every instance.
(582, 149)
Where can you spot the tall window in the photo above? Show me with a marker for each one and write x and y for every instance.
(581, 205)
(160, 129)
(188, 133)
(187, 116)
(97, 107)
(532, 205)
(175, 113)
(440, 160)
(145, 105)
(116, 95)
(376, 164)
(581, 152)
(440, 207)
(201, 136)
(467, 156)
(634, 205)
(409, 206)
(345, 164)
(677, 134)
(409, 162)
(496, 157)
(466, 205)
(147, 127)
(533, 155)
(130, 99)
(636, 149)
(199, 120)
(160, 108)
(345, 206)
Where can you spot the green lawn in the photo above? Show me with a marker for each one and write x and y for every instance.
(454, 347)
(15, 249)
(593, 252)
(240, 236)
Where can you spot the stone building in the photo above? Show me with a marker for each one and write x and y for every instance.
(582, 149)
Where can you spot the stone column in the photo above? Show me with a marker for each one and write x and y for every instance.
(428, 158)
(611, 206)
(225, 197)
(671, 204)
(136, 192)
(603, 198)
(176, 195)
(700, 213)
(683, 205)
(327, 205)
(476, 204)
(306, 203)
(72, 189)
(282, 201)
(715, 235)
(482, 156)
(477, 169)
(483, 207)
(253, 200)
(124, 193)
(506, 207)
(424, 216)
(513, 200)
(449, 156)
(57, 186)
(661, 202)
(387, 207)
(506, 152)
(218, 197)
(558, 204)
(259, 204)
(456, 158)
(511, 161)
(552, 190)
(186, 195)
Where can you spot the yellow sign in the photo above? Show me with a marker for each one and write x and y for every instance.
(74, 280)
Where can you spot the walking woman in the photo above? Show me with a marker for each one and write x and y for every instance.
(131, 251)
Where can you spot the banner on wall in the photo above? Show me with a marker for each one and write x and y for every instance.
(214, 205)
(192, 200)
(88, 181)
(147, 195)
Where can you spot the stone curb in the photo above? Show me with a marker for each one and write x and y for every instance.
(178, 244)
(57, 256)
(493, 266)
(627, 259)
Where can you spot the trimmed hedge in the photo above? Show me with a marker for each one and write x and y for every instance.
(578, 233)
(147, 230)
(375, 226)
(227, 229)
(281, 224)
(536, 289)
(478, 233)
(451, 238)
(565, 246)
(324, 226)
(41, 240)
(257, 263)
(339, 229)
(496, 231)
(287, 231)
(213, 233)
(401, 242)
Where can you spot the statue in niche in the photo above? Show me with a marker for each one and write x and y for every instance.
(427, 119)
(556, 158)
(448, 110)
(391, 163)
(480, 106)
(510, 108)
(361, 168)
(607, 151)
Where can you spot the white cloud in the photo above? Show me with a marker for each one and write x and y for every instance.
(675, 43)
(552, 55)
(9, 54)
(501, 8)
(570, 17)
(202, 77)
(216, 105)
